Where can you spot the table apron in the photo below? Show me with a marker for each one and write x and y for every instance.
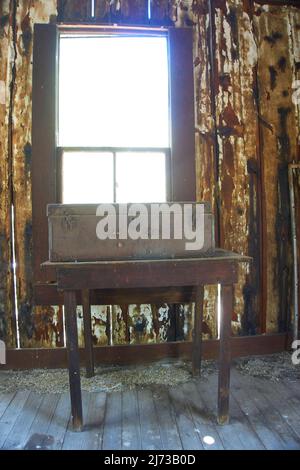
(147, 275)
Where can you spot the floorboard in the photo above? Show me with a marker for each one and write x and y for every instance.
(263, 415)
(187, 429)
(77, 440)
(11, 414)
(229, 434)
(283, 398)
(204, 422)
(16, 439)
(38, 437)
(5, 399)
(150, 431)
(272, 416)
(240, 423)
(166, 419)
(131, 431)
(59, 422)
(268, 436)
(112, 433)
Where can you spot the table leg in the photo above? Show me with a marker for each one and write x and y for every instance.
(225, 353)
(88, 346)
(197, 332)
(73, 358)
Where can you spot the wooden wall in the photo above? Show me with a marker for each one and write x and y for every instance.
(246, 56)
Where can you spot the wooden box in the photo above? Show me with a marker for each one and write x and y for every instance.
(74, 232)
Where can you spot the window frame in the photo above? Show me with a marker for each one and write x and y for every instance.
(46, 155)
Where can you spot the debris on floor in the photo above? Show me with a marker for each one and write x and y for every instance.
(274, 367)
(107, 378)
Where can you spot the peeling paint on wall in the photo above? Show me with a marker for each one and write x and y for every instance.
(7, 332)
(120, 328)
(31, 318)
(256, 133)
(233, 104)
(42, 327)
(278, 44)
(204, 136)
(74, 10)
(122, 11)
(140, 323)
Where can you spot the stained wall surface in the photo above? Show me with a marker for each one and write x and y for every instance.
(246, 63)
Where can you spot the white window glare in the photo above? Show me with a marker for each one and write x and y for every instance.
(113, 91)
(87, 177)
(140, 177)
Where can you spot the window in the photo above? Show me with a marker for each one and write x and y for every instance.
(93, 177)
(113, 96)
(112, 120)
(113, 91)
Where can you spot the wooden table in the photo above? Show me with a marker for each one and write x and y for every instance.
(219, 267)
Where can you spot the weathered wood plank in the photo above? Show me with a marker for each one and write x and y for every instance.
(140, 324)
(206, 187)
(42, 326)
(74, 440)
(164, 12)
(243, 428)
(237, 136)
(270, 439)
(131, 432)
(203, 419)
(91, 436)
(5, 399)
(294, 19)
(190, 438)
(74, 10)
(229, 433)
(285, 402)
(112, 433)
(294, 393)
(59, 422)
(264, 403)
(11, 414)
(95, 419)
(132, 12)
(16, 439)
(279, 143)
(250, 439)
(150, 432)
(119, 324)
(37, 324)
(37, 437)
(7, 324)
(166, 418)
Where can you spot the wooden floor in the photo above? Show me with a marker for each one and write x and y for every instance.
(264, 415)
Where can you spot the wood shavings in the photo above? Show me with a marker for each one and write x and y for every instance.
(274, 367)
(107, 379)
